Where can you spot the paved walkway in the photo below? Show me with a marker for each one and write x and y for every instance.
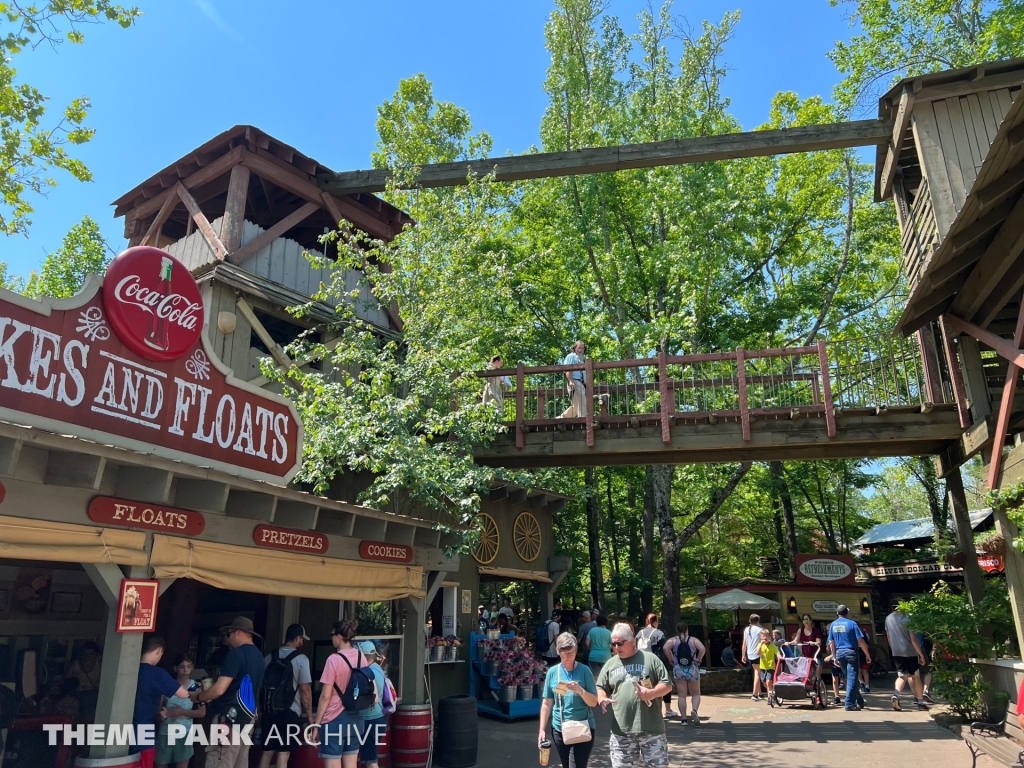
(737, 731)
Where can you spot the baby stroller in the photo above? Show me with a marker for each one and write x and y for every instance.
(796, 679)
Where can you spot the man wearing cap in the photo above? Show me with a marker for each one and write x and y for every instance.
(374, 721)
(286, 737)
(843, 638)
(243, 659)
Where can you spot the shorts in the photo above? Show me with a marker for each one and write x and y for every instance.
(340, 736)
(374, 731)
(277, 736)
(905, 665)
(766, 675)
(626, 750)
(690, 672)
(171, 754)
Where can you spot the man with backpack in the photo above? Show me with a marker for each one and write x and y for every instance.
(234, 693)
(547, 633)
(287, 696)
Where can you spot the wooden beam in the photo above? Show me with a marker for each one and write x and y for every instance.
(892, 156)
(273, 233)
(201, 221)
(993, 266)
(955, 265)
(204, 175)
(279, 355)
(232, 224)
(165, 211)
(1006, 405)
(995, 191)
(701, 149)
(981, 228)
(1003, 347)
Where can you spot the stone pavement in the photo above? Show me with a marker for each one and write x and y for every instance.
(736, 731)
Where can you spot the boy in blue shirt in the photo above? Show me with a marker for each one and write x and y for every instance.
(843, 638)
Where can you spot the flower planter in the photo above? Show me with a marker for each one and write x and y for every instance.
(525, 692)
(437, 653)
(491, 668)
(993, 545)
(451, 653)
(507, 694)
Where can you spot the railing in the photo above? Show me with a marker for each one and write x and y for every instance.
(919, 233)
(740, 386)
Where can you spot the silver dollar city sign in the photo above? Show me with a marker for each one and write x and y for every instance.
(126, 362)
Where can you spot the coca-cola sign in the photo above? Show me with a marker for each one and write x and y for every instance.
(153, 303)
(63, 370)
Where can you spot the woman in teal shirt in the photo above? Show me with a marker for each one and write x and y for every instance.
(599, 640)
(569, 694)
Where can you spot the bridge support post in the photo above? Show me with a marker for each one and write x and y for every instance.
(973, 580)
(955, 375)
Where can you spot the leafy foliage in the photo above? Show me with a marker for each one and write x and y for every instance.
(29, 147)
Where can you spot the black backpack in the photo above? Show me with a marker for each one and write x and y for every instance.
(684, 652)
(279, 684)
(359, 693)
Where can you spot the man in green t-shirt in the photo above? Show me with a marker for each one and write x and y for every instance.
(633, 683)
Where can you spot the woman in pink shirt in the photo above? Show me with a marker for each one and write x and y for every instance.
(341, 731)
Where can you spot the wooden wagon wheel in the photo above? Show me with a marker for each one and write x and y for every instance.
(490, 540)
(527, 536)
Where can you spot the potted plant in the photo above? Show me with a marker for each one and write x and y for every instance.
(507, 693)
(452, 648)
(437, 647)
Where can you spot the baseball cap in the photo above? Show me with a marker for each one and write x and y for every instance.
(293, 631)
(367, 648)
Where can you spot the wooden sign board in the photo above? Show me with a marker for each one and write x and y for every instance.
(272, 537)
(136, 607)
(834, 570)
(151, 517)
(388, 553)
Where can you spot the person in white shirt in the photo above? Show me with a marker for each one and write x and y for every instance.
(751, 641)
(554, 628)
(506, 608)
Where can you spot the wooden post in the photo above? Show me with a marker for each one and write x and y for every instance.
(234, 209)
(973, 579)
(1003, 422)
(741, 391)
(667, 403)
(703, 592)
(520, 407)
(930, 365)
(588, 409)
(1013, 562)
(959, 393)
(826, 389)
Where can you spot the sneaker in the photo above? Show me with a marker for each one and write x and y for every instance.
(694, 718)
(866, 689)
(896, 704)
(836, 701)
(928, 697)
(755, 698)
(920, 705)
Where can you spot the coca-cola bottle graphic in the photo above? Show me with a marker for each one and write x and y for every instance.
(156, 336)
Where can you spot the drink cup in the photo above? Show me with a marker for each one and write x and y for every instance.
(545, 752)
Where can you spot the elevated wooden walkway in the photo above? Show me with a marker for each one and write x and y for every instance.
(859, 398)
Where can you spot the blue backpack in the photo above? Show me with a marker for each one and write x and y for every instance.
(543, 644)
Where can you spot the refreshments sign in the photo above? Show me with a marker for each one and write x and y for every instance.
(136, 607)
(294, 541)
(825, 569)
(151, 517)
(65, 367)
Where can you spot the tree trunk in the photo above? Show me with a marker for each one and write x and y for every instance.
(614, 541)
(782, 487)
(647, 542)
(658, 498)
(633, 531)
(594, 536)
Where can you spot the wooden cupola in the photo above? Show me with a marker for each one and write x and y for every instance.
(953, 137)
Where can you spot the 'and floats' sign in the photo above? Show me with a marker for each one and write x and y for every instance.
(825, 569)
(129, 365)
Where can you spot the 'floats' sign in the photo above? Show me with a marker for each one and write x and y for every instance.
(151, 517)
(65, 367)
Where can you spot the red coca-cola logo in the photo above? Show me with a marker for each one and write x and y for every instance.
(153, 303)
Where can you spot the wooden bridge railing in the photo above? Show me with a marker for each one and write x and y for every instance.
(738, 386)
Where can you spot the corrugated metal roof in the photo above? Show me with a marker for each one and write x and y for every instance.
(908, 530)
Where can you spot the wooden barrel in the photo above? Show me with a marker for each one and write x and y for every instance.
(456, 732)
(410, 736)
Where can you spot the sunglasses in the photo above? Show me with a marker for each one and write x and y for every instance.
(618, 643)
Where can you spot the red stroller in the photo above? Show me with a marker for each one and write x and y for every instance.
(796, 679)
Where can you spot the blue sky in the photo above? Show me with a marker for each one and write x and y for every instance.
(313, 77)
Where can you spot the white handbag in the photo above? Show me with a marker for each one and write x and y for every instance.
(573, 731)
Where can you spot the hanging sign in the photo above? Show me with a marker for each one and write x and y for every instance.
(988, 563)
(828, 569)
(67, 366)
(389, 553)
(136, 607)
(151, 517)
(294, 541)
(824, 606)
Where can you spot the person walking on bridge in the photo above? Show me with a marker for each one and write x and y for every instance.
(577, 383)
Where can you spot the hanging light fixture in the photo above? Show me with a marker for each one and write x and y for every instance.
(865, 605)
(791, 605)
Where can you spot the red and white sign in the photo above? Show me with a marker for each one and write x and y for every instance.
(988, 563)
(294, 541)
(390, 553)
(825, 569)
(136, 608)
(62, 369)
(151, 517)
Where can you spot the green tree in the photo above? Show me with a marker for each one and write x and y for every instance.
(83, 251)
(901, 38)
(31, 144)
